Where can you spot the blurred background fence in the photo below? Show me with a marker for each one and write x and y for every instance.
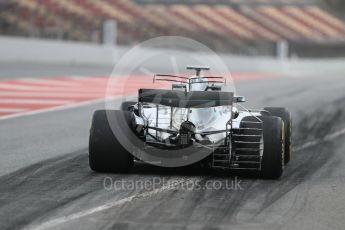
(250, 27)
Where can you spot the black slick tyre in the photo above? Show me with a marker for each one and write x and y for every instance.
(272, 163)
(106, 154)
(285, 115)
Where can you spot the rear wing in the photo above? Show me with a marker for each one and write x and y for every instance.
(186, 80)
(180, 99)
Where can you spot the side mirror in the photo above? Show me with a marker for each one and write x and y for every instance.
(239, 99)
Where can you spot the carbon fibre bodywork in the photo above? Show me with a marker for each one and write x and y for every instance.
(199, 113)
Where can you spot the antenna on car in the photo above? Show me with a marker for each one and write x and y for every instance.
(198, 69)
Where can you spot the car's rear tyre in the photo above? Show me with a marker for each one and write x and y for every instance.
(106, 154)
(126, 104)
(272, 163)
(285, 115)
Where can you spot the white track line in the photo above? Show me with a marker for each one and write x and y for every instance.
(328, 137)
(334, 135)
(61, 220)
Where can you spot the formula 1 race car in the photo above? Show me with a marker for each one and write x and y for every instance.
(197, 121)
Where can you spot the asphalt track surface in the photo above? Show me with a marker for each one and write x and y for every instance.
(46, 183)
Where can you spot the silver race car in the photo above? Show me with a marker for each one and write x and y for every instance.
(197, 121)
